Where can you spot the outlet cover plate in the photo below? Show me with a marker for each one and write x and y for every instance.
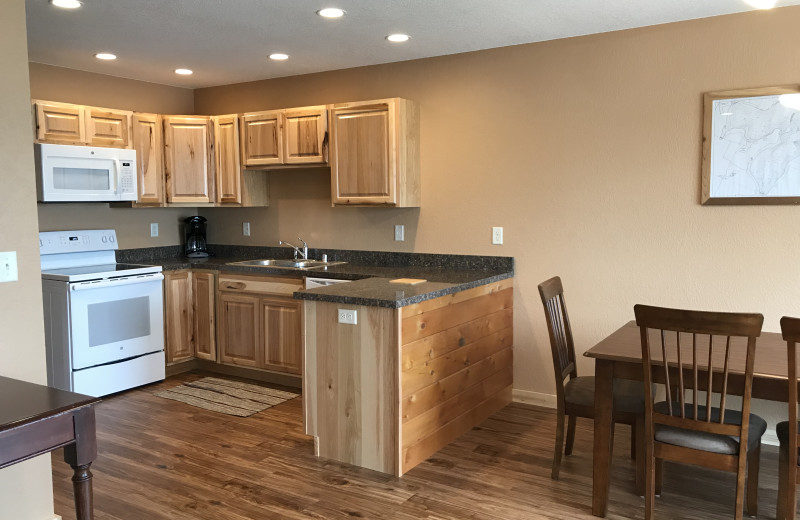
(246, 229)
(399, 232)
(154, 229)
(497, 236)
(348, 316)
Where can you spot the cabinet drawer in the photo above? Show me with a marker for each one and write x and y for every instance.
(260, 284)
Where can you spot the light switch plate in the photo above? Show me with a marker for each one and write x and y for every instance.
(8, 266)
(246, 229)
(399, 232)
(154, 229)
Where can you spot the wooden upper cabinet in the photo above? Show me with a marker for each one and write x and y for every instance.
(305, 135)
(375, 153)
(59, 123)
(65, 123)
(262, 139)
(189, 159)
(107, 127)
(148, 141)
(229, 166)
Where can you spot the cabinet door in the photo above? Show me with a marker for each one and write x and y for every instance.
(107, 127)
(305, 132)
(362, 165)
(229, 171)
(60, 123)
(178, 312)
(148, 141)
(281, 329)
(188, 159)
(262, 138)
(203, 292)
(238, 332)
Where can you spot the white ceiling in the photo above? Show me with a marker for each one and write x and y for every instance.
(228, 41)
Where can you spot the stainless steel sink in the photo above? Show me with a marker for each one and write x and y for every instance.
(285, 264)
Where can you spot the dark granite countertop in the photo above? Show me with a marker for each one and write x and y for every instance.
(371, 272)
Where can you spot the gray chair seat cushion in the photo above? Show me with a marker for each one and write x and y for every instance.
(725, 444)
(628, 395)
(782, 429)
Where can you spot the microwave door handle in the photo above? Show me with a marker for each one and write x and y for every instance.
(116, 174)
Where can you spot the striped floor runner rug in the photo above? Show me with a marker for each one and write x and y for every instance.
(225, 396)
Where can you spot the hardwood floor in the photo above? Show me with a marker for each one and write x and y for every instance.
(162, 459)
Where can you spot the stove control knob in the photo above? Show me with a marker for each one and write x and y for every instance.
(111, 238)
(105, 239)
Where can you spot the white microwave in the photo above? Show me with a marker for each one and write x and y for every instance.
(67, 173)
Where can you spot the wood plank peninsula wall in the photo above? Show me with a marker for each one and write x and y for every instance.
(387, 393)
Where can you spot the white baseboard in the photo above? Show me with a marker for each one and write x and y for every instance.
(535, 398)
(770, 438)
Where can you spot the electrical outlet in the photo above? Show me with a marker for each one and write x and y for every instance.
(497, 235)
(399, 232)
(348, 317)
(8, 267)
(246, 229)
(154, 229)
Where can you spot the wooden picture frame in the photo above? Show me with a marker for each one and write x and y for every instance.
(751, 147)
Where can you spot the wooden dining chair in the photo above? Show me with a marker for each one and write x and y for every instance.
(575, 395)
(787, 430)
(688, 428)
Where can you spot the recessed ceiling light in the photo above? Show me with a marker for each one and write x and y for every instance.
(278, 56)
(331, 12)
(761, 4)
(398, 38)
(105, 56)
(183, 72)
(66, 4)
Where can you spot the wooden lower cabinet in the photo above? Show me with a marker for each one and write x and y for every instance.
(189, 309)
(205, 327)
(260, 324)
(179, 316)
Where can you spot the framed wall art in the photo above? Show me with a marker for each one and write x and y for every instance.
(751, 146)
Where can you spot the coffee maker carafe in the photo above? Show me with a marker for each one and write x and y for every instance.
(196, 237)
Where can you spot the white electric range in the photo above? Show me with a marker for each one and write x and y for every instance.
(104, 321)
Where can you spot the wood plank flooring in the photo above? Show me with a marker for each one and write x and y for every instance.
(161, 459)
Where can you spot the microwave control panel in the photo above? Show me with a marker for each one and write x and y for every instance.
(127, 173)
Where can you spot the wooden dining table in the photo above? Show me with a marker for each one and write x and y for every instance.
(620, 356)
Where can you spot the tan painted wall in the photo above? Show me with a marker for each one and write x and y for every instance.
(586, 150)
(74, 86)
(26, 491)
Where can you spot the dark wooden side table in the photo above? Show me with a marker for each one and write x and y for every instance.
(36, 419)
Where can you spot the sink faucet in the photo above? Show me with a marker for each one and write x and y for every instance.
(303, 254)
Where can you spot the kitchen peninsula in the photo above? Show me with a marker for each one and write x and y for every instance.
(417, 365)
(423, 363)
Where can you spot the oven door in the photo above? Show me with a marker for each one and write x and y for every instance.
(116, 319)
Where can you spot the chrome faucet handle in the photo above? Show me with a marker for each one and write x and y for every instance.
(305, 247)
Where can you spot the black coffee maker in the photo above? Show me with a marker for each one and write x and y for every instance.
(196, 237)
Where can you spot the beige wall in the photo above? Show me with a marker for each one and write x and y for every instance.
(25, 489)
(74, 86)
(586, 150)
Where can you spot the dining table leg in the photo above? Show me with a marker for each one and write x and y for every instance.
(80, 456)
(603, 435)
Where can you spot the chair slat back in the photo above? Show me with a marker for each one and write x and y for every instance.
(555, 310)
(709, 341)
(790, 327)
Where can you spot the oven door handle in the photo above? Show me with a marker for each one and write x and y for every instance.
(116, 282)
